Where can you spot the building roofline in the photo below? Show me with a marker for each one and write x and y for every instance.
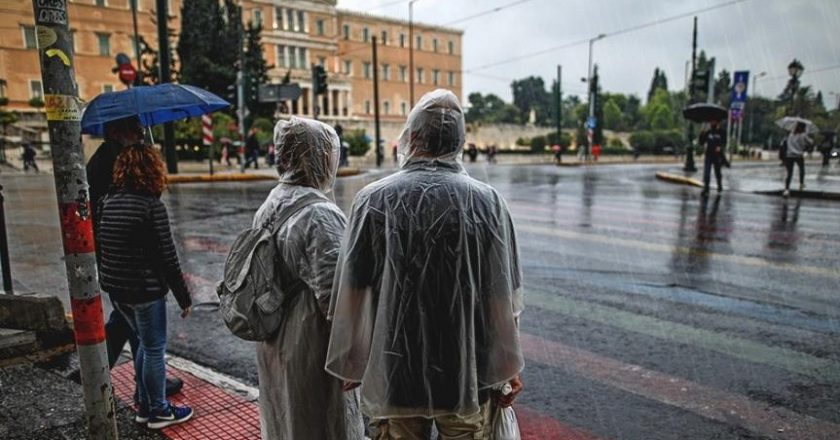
(399, 21)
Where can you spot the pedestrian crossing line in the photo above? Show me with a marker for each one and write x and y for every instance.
(740, 348)
(657, 247)
(711, 403)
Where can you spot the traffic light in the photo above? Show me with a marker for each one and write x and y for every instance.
(700, 83)
(319, 79)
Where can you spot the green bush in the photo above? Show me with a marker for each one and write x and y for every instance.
(538, 144)
(523, 142)
(564, 141)
(657, 141)
(359, 142)
(615, 142)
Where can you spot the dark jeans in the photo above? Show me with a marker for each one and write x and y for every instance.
(253, 158)
(789, 161)
(149, 323)
(712, 160)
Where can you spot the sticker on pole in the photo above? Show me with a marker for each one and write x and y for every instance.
(63, 108)
(46, 37)
(51, 12)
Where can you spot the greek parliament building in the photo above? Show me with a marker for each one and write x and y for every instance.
(296, 34)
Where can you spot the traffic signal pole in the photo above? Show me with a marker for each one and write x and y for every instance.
(165, 76)
(376, 106)
(558, 120)
(64, 114)
(689, 151)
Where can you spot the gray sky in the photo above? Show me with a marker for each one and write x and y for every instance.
(754, 35)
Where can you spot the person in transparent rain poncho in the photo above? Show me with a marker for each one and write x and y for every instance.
(428, 289)
(298, 400)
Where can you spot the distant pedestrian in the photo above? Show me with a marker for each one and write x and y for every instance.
(558, 151)
(714, 139)
(491, 154)
(139, 265)
(252, 149)
(344, 154)
(797, 142)
(429, 290)
(472, 152)
(29, 154)
(270, 155)
(226, 152)
(826, 145)
(298, 399)
(394, 153)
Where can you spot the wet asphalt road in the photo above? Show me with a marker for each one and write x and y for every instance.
(651, 313)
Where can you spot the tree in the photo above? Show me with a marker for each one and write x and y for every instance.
(723, 88)
(530, 94)
(598, 135)
(490, 109)
(210, 40)
(256, 73)
(658, 82)
(612, 115)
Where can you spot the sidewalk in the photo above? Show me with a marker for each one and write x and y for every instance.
(767, 177)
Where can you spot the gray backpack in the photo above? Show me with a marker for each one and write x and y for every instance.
(251, 298)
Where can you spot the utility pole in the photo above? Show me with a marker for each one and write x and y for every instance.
(376, 105)
(592, 92)
(64, 115)
(165, 76)
(689, 149)
(240, 101)
(558, 119)
(139, 79)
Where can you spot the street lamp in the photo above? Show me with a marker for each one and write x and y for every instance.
(795, 69)
(411, 52)
(592, 91)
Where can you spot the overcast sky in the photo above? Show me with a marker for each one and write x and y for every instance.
(754, 35)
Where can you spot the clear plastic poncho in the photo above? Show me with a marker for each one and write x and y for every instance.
(428, 284)
(298, 400)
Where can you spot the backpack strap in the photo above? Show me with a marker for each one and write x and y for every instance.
(276, 224)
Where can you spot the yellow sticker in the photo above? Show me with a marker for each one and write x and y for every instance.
(46, 36)
(59, 53)
(63, 108)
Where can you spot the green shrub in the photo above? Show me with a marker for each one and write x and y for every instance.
(359, 142)
(538, 144)
(564, 141)
(523, 142)
(615, 142)
(657, 141)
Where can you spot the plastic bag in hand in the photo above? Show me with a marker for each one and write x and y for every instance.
(505, 426)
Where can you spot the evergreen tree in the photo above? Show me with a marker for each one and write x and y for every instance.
(723, 88)
(598, 135)
(659, 81)
(530, 94)
(612, 115)
(255, 73)
(209, 44)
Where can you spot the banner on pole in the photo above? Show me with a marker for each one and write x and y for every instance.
(738, 99)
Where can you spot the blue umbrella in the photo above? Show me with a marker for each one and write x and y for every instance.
(152, 104)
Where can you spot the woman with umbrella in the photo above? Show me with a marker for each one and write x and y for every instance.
(797, 142)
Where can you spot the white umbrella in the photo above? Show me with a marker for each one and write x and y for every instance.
(789, 123)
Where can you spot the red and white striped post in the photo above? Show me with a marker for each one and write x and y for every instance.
(207, 136)
(64, 115)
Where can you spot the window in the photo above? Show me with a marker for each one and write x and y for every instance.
(451, 47)
(303, 62)
(101, 3)
(301, 25)
(367, 107)
(403, 74)
(419, 75)
(256, 16)
(403, 108)
(107, 88)
(386, 72)
(435, 44)
(2, 88)
(346, 31)
(366, 35)
(366, 70)
(419, 43)
(320, 26)
(29, 41)
(282, 61)
(289, 25)
(402, 40)
(35, 89)
(451, 80)
(104, 44)
(435, 77)
(386, 108)
(278, 17)
(348, 67)
(384, 38)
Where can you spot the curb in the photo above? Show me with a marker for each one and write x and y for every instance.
(681, 180)
(817, 195)
(240, 177)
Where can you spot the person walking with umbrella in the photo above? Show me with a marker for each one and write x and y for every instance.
(29, 158)
(797, 142)
(252, 149)
(714, 139)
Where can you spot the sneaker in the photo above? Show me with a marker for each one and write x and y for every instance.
(142, 415)
(785, 193)
(801, 186)
(705, 192)
(173, 416)
(173, 386)
(720, 189)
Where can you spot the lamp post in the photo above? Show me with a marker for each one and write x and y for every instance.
(754, 95)
(411, 52)
(592, 91)
(795, 69)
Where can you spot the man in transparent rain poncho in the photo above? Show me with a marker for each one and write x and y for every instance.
(298, 400)
(428, 289)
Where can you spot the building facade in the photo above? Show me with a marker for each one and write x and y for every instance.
(296, 35)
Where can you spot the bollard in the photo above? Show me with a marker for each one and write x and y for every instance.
(64, 115)
(5, 263)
